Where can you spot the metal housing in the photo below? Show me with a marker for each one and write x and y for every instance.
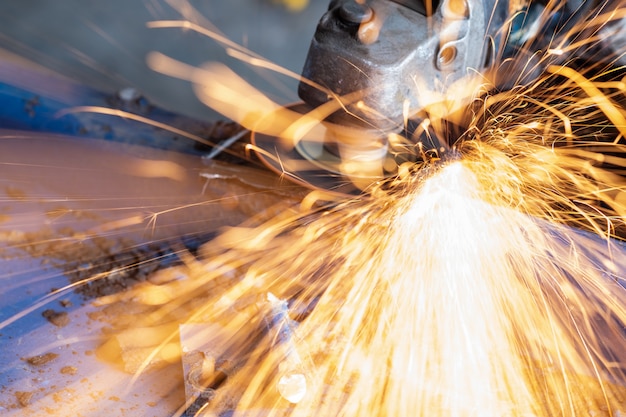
(375, 55)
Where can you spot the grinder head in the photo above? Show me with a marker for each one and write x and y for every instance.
(370, 65)
(376, 56)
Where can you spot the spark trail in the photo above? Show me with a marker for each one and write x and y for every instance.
(457, 288)
(483, 283)
(442, 301)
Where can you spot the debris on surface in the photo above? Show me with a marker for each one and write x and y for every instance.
(69, 370)
(43, 359)
(58, 318)
(23, 397)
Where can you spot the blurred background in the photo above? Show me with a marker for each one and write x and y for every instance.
(103, 44)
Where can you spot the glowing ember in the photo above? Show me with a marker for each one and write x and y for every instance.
(292, 387)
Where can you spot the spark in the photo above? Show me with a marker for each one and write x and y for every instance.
(484, 282)
(439, 298)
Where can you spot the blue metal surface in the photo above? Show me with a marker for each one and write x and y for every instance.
(34, 101)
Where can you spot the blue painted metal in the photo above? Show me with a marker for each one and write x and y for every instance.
(35, 101)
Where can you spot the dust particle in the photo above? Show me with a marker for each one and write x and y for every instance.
(41, 359)
(23, 397)
(59, 319)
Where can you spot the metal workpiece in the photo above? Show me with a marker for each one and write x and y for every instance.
(377, 57)
(204, 369)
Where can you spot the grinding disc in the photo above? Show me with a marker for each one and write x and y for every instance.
(310, 162)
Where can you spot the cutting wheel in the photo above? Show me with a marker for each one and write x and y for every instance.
(314, 162)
